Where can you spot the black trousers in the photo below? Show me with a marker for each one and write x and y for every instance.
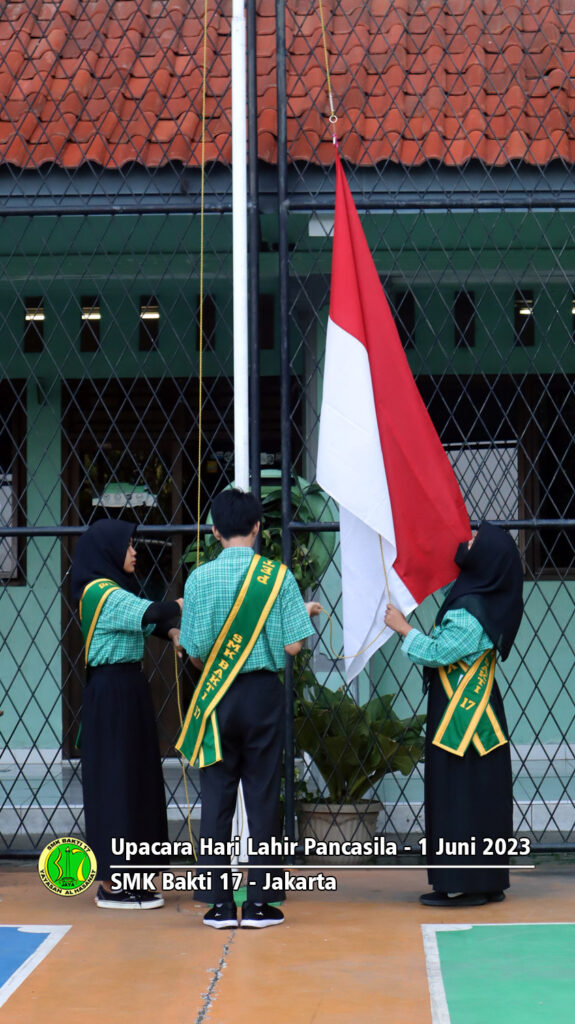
(251, 724)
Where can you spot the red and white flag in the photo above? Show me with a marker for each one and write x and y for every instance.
(379, 454)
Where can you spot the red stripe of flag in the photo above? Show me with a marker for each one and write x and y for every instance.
(429, 514)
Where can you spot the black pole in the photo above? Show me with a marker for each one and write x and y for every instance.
(285, 410)
(313, 526)
(254, 254)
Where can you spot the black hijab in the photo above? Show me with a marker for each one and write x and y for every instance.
(490, 585)
(100, 554)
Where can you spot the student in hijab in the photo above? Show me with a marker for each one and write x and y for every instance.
(468, 784)
(122, 778)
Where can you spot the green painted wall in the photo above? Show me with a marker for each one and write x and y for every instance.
(31, 615)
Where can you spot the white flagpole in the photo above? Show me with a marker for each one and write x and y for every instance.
(240, 289)
(240, 247)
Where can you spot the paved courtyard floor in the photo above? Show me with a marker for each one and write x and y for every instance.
(366, 953)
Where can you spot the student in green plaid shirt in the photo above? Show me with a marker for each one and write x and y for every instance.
(468, 796)
(212, 588)
(250, 714)
(122, 781)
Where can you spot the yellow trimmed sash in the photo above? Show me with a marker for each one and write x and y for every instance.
(91, 603)
(200, 739)
(469, 716)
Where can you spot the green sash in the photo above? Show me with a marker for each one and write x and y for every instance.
(199, 738)
(91, 603)
(469, 716)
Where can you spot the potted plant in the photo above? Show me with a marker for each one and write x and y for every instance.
(353, 746)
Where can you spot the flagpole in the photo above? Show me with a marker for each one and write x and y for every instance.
(240, 248)
(240, 297)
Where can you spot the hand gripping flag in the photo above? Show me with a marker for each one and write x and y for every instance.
(379, 455)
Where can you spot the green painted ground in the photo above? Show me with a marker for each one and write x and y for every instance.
(241, 894)
(509, 974)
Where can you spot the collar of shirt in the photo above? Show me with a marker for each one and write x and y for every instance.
(239, 554)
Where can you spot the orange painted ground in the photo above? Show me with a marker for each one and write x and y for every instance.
(350, 957)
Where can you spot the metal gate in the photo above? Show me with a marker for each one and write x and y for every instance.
(100, 391)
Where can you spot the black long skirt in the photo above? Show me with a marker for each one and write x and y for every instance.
(468, 808)
(122, 777)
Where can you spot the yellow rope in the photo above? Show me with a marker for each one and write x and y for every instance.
(332, 114)
(201, 298)
(184, 773)
(384, 569)
(346, 657)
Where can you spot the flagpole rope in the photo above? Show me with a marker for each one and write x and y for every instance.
(347, 657)
(384, 568)
(200, 376)
(184, 773)
(201, 293)
(332, 113)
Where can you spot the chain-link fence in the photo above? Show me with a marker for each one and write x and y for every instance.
(100, 246)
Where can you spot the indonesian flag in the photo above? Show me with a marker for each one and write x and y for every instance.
(402, 514)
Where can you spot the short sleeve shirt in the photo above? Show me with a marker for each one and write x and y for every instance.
(209, 594)
(119, 635)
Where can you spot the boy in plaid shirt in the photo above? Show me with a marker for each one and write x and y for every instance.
(250, 714)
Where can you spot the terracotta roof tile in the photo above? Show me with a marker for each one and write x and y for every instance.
(411, 82)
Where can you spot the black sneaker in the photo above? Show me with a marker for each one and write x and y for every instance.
(443, 899)
(260, 915)
(122, 900)
(149, 900)
(224, 915)
(495, 897)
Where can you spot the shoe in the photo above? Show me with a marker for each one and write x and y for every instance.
(260, 915)
(224, 915)
(495, 897)
(463, 899)
(123, 900)
(149, 900)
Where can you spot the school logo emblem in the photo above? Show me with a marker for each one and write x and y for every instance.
(67, 866)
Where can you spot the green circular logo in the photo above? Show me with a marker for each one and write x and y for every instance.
(67, 866)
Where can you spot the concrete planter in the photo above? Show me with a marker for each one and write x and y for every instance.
(339, 823)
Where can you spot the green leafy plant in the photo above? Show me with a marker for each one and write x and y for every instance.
(311, 552)
(353, 745)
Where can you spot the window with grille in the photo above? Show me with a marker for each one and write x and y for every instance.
(511, 442)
